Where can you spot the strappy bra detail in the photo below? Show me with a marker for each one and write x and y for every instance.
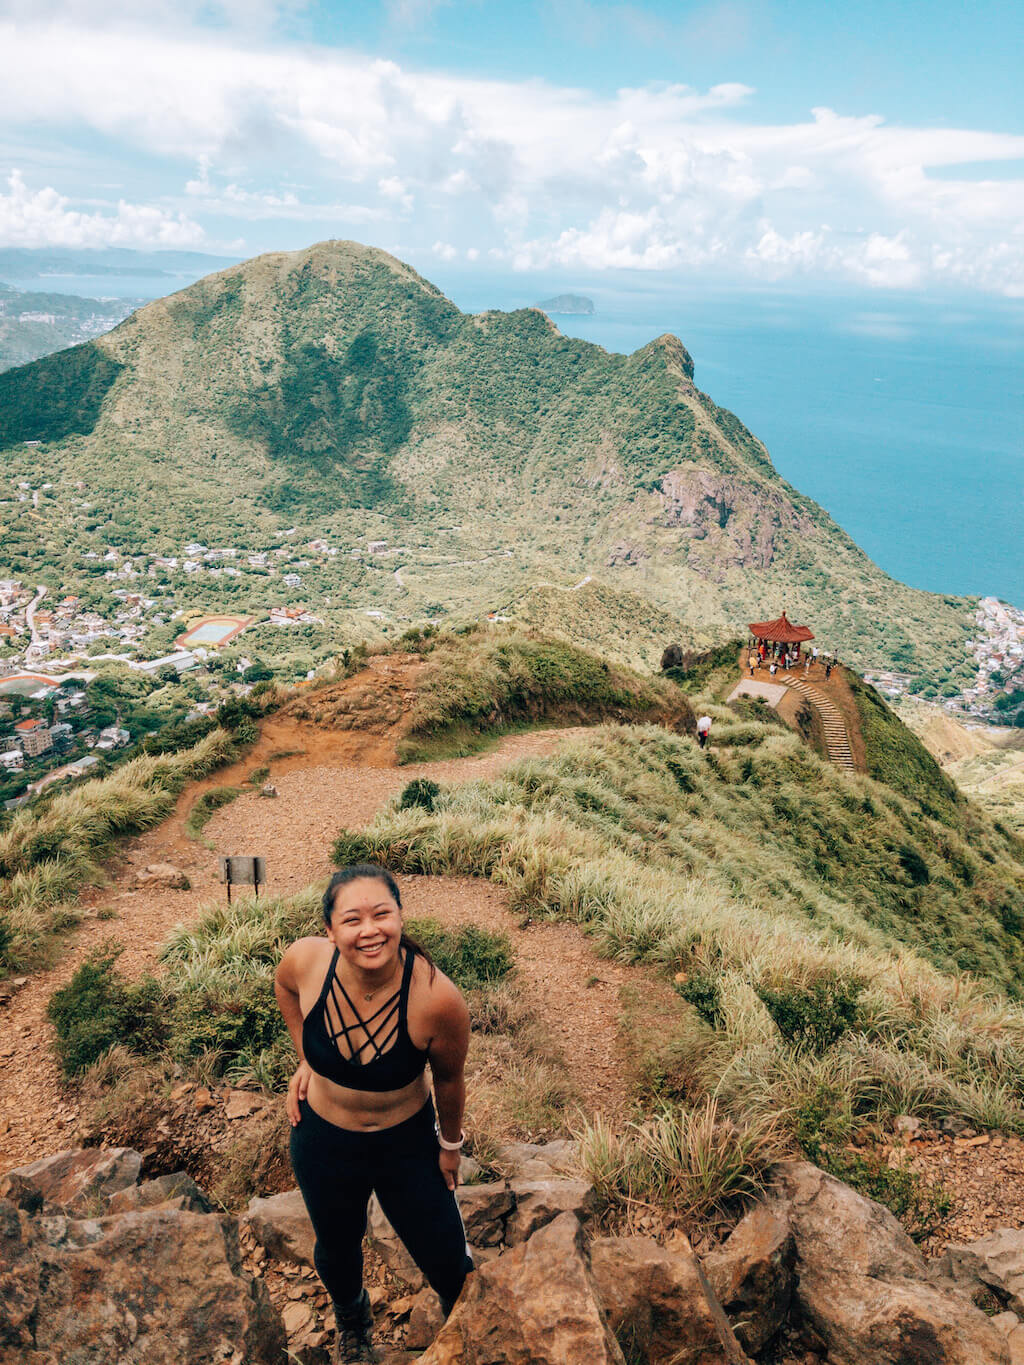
(385, 1059)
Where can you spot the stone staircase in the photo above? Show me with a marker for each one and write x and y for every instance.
(836, 737)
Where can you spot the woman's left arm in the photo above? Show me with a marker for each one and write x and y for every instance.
(448, 1048)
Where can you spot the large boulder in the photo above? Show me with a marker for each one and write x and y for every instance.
(535, 1304)
(539, 1160)
(659, 1305)
(994, 1263)
(177, 1191)
(162, 876)
(862, 1284)
(538, 1202)
(280, 1224)
(78, 1181)
(752, 1275)
(155, 1287)
(158, 1286)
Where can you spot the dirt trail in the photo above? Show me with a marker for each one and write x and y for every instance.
(340, 779)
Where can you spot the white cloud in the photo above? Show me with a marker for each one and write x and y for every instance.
(661, 177)
(43, 218)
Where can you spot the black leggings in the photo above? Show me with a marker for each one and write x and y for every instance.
(338, 1168)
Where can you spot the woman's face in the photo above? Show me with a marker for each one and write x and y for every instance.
(366, 925)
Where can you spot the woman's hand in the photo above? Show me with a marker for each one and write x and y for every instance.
(297, 1087)
(449, 1163)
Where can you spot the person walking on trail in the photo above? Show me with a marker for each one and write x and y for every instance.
(752, 663)
(703, 730)
(772, 667)
(828, 670)
(367, 1011)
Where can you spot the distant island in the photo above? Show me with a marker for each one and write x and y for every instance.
(567, 303)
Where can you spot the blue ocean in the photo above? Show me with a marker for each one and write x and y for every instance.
(902, 415)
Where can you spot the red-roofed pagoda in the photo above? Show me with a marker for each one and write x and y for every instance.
(781, 632)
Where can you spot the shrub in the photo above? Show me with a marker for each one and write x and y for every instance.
(702, 992)
(235, 1020)
(421, 791)
(470, 956)
(98, 1008)
(814, 1016)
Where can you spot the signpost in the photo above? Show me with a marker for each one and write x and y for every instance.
(243, 872)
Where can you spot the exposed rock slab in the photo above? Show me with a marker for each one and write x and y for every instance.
(658, 1303)
(995, 1262)
(156, 1286)
(536, 1303)
(281, 1226)
(862, 1284)
(538, 1202)
(78, 1181)
(752, 1275)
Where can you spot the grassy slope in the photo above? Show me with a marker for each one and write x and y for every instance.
(762, 874)
(620, 625)
(489, 682)
(47, 855)
(336, 390)
(896, 756)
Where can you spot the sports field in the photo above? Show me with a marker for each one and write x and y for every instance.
(24, 684)
(213, 631)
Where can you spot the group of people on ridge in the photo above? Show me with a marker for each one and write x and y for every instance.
(778, 656)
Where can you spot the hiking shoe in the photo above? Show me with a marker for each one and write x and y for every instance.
(353, 1344)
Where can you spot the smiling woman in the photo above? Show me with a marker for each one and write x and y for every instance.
(367, 1010)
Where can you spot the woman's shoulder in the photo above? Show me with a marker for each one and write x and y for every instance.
(307, 954)
(435, 993)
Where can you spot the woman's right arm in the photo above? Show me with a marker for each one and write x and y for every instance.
(286, 991)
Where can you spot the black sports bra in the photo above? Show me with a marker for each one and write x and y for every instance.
(393, 1060)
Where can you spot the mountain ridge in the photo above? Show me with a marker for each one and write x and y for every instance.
(338, 390)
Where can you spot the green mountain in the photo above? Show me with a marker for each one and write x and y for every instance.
(335, 392)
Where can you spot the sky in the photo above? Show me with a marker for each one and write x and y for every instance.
(876, 145)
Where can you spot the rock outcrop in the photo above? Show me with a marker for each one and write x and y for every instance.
(863, 1285)
(658, 1303)
(537, 1302)
(753, 1276)
(95, 1267)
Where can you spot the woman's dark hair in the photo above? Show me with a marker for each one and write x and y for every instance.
(373, 872)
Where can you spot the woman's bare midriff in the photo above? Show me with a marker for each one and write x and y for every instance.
(366, 1111)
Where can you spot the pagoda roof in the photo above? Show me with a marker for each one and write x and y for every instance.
(782, 631)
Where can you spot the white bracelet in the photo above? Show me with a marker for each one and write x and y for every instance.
(452, 1146)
